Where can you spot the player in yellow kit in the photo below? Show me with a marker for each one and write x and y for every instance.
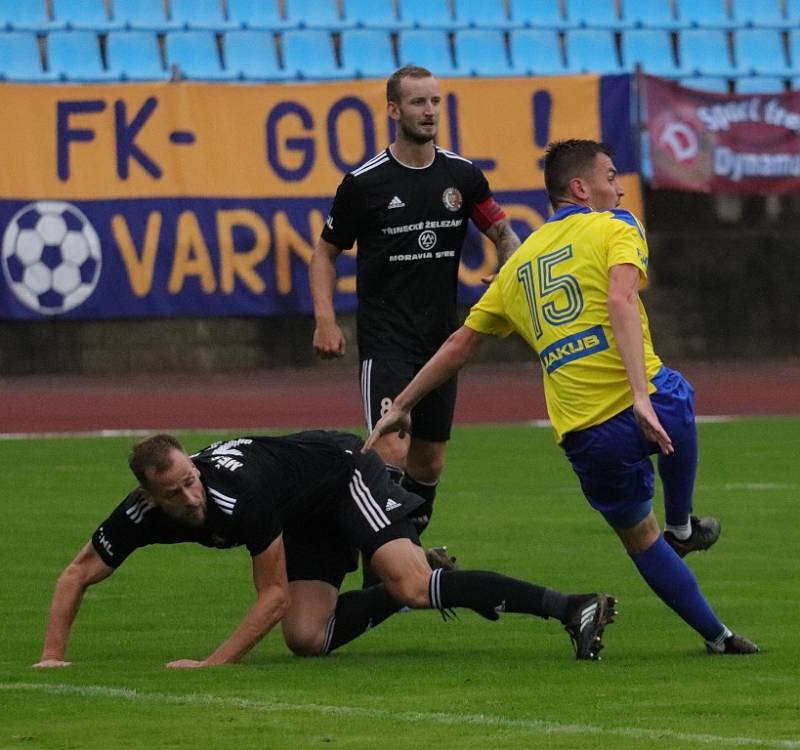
(572, 292)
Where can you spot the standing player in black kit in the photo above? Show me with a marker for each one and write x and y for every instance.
(408, 209)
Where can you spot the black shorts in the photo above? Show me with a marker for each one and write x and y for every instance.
(383, 379)
(373, 511)
(317, 552)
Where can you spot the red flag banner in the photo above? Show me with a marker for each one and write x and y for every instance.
(730, 143)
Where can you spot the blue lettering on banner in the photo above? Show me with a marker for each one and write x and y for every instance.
(304, 145)
(66, 134)
(367, 132)
(573, 347)
(126, 133)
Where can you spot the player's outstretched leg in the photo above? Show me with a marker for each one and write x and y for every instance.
(584, 616)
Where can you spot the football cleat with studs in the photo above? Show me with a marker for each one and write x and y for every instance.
(438, 557)
(705, 532)
(586, 620)
(733, 644)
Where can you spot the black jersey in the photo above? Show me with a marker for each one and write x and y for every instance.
(254, 486)
(410, 226)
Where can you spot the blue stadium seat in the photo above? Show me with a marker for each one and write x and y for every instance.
(83, 14)
(759, 85)
(714, 84)
(706, 14)
(256, 14)
(75, 56)
(592, 14)
(794, 83)
(793, 13)
(199, 14)
(482, 52)
(251, 55)
(760, 52)
(429, 48)
(368, 52)
(591, 51)
(536, 52)
(20, 59)
(144, 15)
(482, 14)
(309, 54)
(314, 14)
(650, 48)
(649, 14)
(767, 14)
(197, 56)
(794, 51)
(539, 14)
(427, 14)
(25, 15)
(135, 56)
(373, 14)
(705, 52)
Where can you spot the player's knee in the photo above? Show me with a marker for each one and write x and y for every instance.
(305, 644)
(425, 462)
(305, 640)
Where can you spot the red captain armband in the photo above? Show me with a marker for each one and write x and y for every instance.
(487, 213)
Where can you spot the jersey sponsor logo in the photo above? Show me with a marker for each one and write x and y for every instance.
(391, 505)
(225, 455)
(410, 256)
(422, 256)
(452, 199)
(427, 240)
(573, 347)
(395, 203)
(104, 543)
(423, 225)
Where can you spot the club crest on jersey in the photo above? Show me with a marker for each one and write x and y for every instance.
(452, 199)
(427, 239)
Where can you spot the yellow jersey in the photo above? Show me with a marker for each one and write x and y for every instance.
(553, 291)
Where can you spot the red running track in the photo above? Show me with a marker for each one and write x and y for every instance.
(327, 395)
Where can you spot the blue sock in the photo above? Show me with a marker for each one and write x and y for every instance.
(675, 584)
(677, 472)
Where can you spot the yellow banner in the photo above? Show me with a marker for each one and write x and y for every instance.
(230, 140)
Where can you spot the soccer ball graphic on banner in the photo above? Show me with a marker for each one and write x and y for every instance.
(51, 257)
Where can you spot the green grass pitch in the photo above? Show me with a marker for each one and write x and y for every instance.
(508, 502)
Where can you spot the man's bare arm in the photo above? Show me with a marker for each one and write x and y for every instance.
(626, 323)
(272, 602)
(328, 338)
(86, 569)
(504, 238)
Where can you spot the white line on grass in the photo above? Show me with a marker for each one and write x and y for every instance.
(534, 726)
(709, 419)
